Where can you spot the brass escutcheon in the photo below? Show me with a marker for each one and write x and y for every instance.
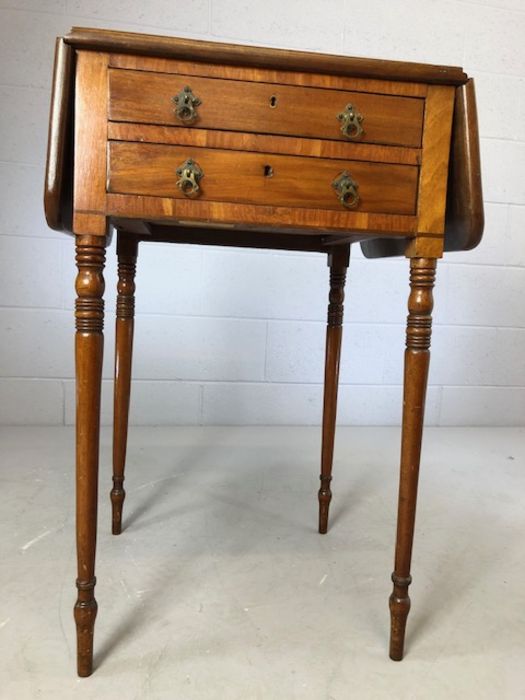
(351, 122)
(189, 177)
(347, 190)
(186, 104)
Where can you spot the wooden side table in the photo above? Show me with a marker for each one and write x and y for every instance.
(175, 140)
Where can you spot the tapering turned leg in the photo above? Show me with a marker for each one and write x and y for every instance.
(338, 262)
(127, 257)
(417, 357)
(89, 341)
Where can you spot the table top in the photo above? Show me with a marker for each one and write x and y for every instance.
(262, 57)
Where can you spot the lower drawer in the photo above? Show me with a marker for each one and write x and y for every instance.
(258, 178)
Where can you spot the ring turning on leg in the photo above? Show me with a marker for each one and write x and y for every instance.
(417, 357)
(89, 340)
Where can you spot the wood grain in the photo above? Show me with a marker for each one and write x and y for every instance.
(243, 106)
(96, 224)
(303, 220)
(58, 178)
(89, 347)
(236, 54)
(89, 191)
(425, 245)
(464, 217)
(127, 246)
(265, 75)
(262, 143)
(338, 260)
(434, 160)
(234, 176)
(433, 183)
(417, 358)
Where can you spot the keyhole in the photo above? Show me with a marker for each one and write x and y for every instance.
(268, 171)
(273, 101)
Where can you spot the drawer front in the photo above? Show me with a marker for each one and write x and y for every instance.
(258, 178)
(237, 105)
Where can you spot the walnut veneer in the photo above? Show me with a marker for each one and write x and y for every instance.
(184, 141)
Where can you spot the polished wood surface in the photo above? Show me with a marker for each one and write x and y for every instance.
(260, 178)
(127, 248)
(433, 183)
(273, 108)
(89, 182)
(282, 76)
(269, 164)
(434, 166)
(417, 358)
(338, 260)
(236, 54)
(257, 216)
(262, 143)
(465, 219)
(89, 347)
(58, 178)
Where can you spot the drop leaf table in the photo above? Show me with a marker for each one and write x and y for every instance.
(181, 141)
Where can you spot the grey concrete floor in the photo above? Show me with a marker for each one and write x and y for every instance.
(220, 587)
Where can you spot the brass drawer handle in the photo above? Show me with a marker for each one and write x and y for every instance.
(347, 190)
(351, 122)
(189, 177)
(186, 104)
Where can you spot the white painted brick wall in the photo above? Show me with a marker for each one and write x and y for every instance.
(227, 336)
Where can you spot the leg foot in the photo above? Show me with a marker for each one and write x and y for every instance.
(85, 612)
(399, 604)
(324, 496)
(117, 497)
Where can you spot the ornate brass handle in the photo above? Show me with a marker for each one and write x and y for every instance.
(351, 122)
(347, 190)
(189, 177)
(186, 105)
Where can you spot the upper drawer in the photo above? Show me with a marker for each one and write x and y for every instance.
(237, 105)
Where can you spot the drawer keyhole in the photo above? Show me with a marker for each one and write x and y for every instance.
(273, 101)
(268, 171)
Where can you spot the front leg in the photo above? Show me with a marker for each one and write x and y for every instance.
(417, 357)
(89, 342)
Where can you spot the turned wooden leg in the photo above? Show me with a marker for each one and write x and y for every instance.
(338, 262)
(417, 356)
(89, 341)
(127, 257)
